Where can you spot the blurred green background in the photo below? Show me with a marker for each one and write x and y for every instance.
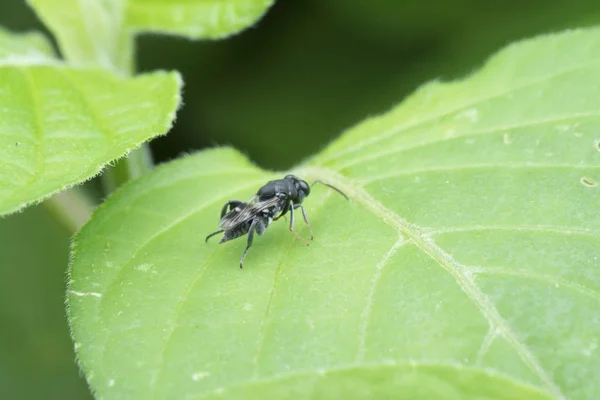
(278, 92)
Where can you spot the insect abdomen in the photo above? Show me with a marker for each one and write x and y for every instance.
(236, 232)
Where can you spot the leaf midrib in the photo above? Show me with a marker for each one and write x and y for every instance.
(38, 141)
(461, 273)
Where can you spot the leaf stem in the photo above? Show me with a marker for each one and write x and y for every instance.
(71, 207)
(138, 161)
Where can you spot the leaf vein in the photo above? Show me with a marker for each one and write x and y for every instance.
(483, 132)
(456, 168)
(108, 136)
(475, 102)
(172, 323)
(366, 315)
(553, 281)
(148, 240)
(263, 325)
(462, 275)
(173, 223)
(38, 133)
(486, 344)
(563, 230)
(262, 331)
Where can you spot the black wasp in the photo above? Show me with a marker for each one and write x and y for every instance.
(271, 202)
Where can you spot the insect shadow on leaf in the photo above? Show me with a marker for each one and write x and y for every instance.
(271, 202)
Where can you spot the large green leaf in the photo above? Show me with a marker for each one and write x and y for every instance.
(195, 19)
(59, 126)
(465, 266)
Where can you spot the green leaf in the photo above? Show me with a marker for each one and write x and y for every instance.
(465, 266)
(93, 32)
(25, 48)
(89, 32)
(195, 19)
(59, 126)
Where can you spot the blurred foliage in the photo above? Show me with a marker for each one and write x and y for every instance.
(311, 69)
(36, 353)
(278, 92)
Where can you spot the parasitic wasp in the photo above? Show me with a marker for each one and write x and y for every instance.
(271, 202)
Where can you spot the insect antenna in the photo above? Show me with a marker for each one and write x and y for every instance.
(331, 186)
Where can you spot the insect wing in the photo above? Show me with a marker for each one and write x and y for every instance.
(245, 211)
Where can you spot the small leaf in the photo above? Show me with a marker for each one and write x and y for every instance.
(465, 265)
(195, 19)
(89, 32)
(59, 126)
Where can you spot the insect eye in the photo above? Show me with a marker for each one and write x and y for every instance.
(304, 187)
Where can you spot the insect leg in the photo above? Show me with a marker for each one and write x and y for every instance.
(292, 224)
(282, 213)
(250, 239)
(213, 234)
(231, 204)
(305, 219)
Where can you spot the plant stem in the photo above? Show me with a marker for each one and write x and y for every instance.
(71, 208)
(134, 165)
(138, 161)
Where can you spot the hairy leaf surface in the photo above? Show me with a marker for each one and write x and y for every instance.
(465, 265)
(59, 126)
